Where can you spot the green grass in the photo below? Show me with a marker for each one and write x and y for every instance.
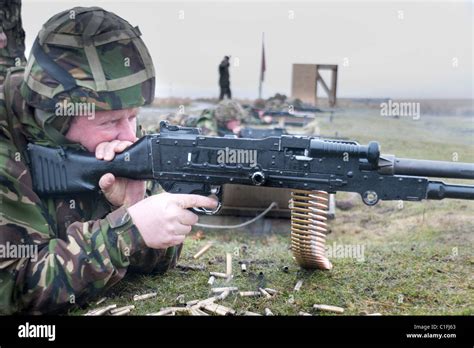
(418, 257)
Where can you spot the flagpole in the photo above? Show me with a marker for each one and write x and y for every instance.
(261, 71)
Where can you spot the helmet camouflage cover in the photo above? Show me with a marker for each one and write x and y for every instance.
(87, 55)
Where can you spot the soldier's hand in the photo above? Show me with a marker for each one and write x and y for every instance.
(164, 220)
(118, 191)
(3, 40)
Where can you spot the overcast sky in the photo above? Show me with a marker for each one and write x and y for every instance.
(390, 49)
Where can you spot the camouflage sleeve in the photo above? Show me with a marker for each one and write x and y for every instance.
(2, 19)
(9, 17)
(40, 272)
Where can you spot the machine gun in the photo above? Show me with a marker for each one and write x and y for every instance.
(184, 161)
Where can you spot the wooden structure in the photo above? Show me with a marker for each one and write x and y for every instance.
(305, 82)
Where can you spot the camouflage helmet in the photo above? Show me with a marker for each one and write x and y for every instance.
(229, 110)
(87, 55)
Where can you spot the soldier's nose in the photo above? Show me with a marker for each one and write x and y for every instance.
(127, 131)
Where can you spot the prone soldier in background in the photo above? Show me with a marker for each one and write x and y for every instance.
(226, 118)
(92, 65)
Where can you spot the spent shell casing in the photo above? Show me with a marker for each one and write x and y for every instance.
(229, 288)
(164, 311)
(249, 293)
(298, 285)
(192, 303)
(223, 295)
(328, 308)
(122, 312)
(144, 296)
(169, 311)
(203, 250)
(268, 312)
(264, 293)
(211, 280)
(219, 309)
(218, 274)
(197, 312)
(228, 264)
(270, 291)
(101, 311)
(119, 309)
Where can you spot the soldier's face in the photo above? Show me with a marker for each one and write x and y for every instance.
(234, 126)
(104, 127)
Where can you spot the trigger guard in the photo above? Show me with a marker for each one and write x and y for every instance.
(207, 211)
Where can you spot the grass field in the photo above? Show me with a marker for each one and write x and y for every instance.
(418, 257)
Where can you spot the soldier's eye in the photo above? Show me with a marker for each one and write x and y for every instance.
(109, 123)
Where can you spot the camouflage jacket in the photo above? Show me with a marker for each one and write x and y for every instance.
(10, 24)
(56, 252)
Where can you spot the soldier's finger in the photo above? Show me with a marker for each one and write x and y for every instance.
(187, 218)
(181, 229)
(191, 201)
(109, 151)
(122, 146)
(106, 182)
(99, 150)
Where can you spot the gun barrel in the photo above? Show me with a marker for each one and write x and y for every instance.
(441, 169)
(439, 190)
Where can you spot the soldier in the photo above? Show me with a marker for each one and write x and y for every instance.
(84, 243)
(12, 37)
(225, 119)
(224, 81)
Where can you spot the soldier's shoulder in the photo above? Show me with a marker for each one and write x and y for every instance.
(9, 154)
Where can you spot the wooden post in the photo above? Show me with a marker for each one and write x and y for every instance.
(316, 87)
(333, 86)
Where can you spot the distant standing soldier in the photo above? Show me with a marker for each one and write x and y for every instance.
(224, 81)
(12, 37)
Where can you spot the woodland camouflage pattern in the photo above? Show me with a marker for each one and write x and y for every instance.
(85, 245)
(213, 122)
(10, 24)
